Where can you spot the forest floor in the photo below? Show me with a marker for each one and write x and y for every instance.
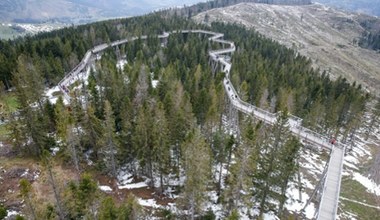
(13, 168)
(328, 37)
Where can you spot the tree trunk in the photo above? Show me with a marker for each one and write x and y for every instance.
(263, 200)
(29, 202)
(161, 181)
(229, 159)
(220, 178)
(56, 194)
(192, 207)
(113, 163)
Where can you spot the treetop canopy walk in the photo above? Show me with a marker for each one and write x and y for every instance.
(218, 59)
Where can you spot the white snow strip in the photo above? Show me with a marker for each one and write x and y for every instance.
(11, 213)
(361, 203)
(105, 188)
(133, 185)
(371, 186)
(148, 203)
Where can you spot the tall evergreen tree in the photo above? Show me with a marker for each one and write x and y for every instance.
(109, 142)
(196, 160)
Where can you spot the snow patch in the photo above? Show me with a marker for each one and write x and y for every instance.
(125, 180)
(54, 150)
(133, 185)
(49, 94)
(270, 216)
(296, 205)
(105, 188)
(155, 83)
(148, 203)
(11, 213)
(371, 186)
(121, 63)
(124, 177)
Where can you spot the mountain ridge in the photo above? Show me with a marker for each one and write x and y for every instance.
(328, 36)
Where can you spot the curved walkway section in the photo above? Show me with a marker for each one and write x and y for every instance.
(330, 197)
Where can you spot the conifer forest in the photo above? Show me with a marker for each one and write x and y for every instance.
(162, 117)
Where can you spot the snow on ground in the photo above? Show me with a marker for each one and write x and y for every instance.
(11, 213)
(133, 185)
(216, 173)
(173, 180)
(361, 203)
(371, 186)
(296, 204)
(125, 179)
(87, 155)
(217, 209)
(312, 162)
(121, 63)
(49, 94)
(353, 162)
(154, 83)
(348, 215)
(54, 150)
(270, 216)
(148, 203)
(105, 188)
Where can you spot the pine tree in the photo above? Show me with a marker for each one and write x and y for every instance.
(267, 179)
(141, 140)
(73, 144)
(63, 118)
(108, 209)
(109, 142)
(239, 180)
(81, 198)
(374, 119)
(287, 167)
(196, 160)
(93, 130)
(161, 148)
(29, 87)
(131, 209)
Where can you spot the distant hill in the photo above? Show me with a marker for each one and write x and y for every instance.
(78, 11)
(328, 36)
(371, 7)
(84, 11)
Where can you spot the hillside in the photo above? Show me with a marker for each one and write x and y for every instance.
(328, 36)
